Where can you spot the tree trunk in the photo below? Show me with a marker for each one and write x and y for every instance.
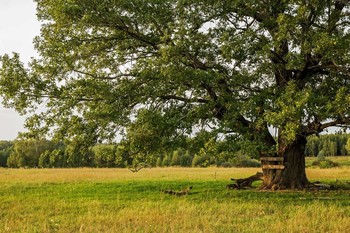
(293, 176)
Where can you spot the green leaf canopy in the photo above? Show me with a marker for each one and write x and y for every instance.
(171, 66)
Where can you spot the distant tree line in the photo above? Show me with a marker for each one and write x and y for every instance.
(328, 145)
(202, 151)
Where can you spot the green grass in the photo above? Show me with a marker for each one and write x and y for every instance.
(116, 200)
(341, 160)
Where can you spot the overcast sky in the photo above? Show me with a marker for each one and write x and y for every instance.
(18, 27)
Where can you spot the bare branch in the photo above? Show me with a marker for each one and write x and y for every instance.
(103, 77)
(183, 99)
(317, 127)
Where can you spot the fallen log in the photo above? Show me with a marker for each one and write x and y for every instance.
(245, 182)
(178, 193)
(320, 185)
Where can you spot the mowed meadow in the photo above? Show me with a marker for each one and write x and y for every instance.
(118, 200)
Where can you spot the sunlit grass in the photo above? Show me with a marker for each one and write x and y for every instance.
(117, 200)
(343, 161)
(96, 174)
(160, 174)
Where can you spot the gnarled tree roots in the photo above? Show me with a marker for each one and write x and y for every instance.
(277, 184)
(245, 182)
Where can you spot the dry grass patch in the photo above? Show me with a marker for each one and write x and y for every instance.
(104, 174)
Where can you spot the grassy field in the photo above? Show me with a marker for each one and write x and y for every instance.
(117, 200)
(341, 160)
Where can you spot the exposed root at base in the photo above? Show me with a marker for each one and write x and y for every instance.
(245, 182)
(275, 186)
(323, 186)
(315, 186)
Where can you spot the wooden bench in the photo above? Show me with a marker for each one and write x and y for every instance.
(269, 163)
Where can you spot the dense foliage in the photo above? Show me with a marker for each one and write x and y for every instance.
(328, 145)
(196, 152)
(159, 70)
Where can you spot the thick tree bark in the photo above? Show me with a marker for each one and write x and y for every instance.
(293, 176)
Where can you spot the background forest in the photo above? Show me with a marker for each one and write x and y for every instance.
(201, 151)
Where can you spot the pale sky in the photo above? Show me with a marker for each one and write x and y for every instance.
(18, 27)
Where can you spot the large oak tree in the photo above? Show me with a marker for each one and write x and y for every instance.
(242, 67)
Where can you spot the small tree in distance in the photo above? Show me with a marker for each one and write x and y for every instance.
(347, 146)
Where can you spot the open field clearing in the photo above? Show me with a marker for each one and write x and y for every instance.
(117, 200)
(343, 161)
